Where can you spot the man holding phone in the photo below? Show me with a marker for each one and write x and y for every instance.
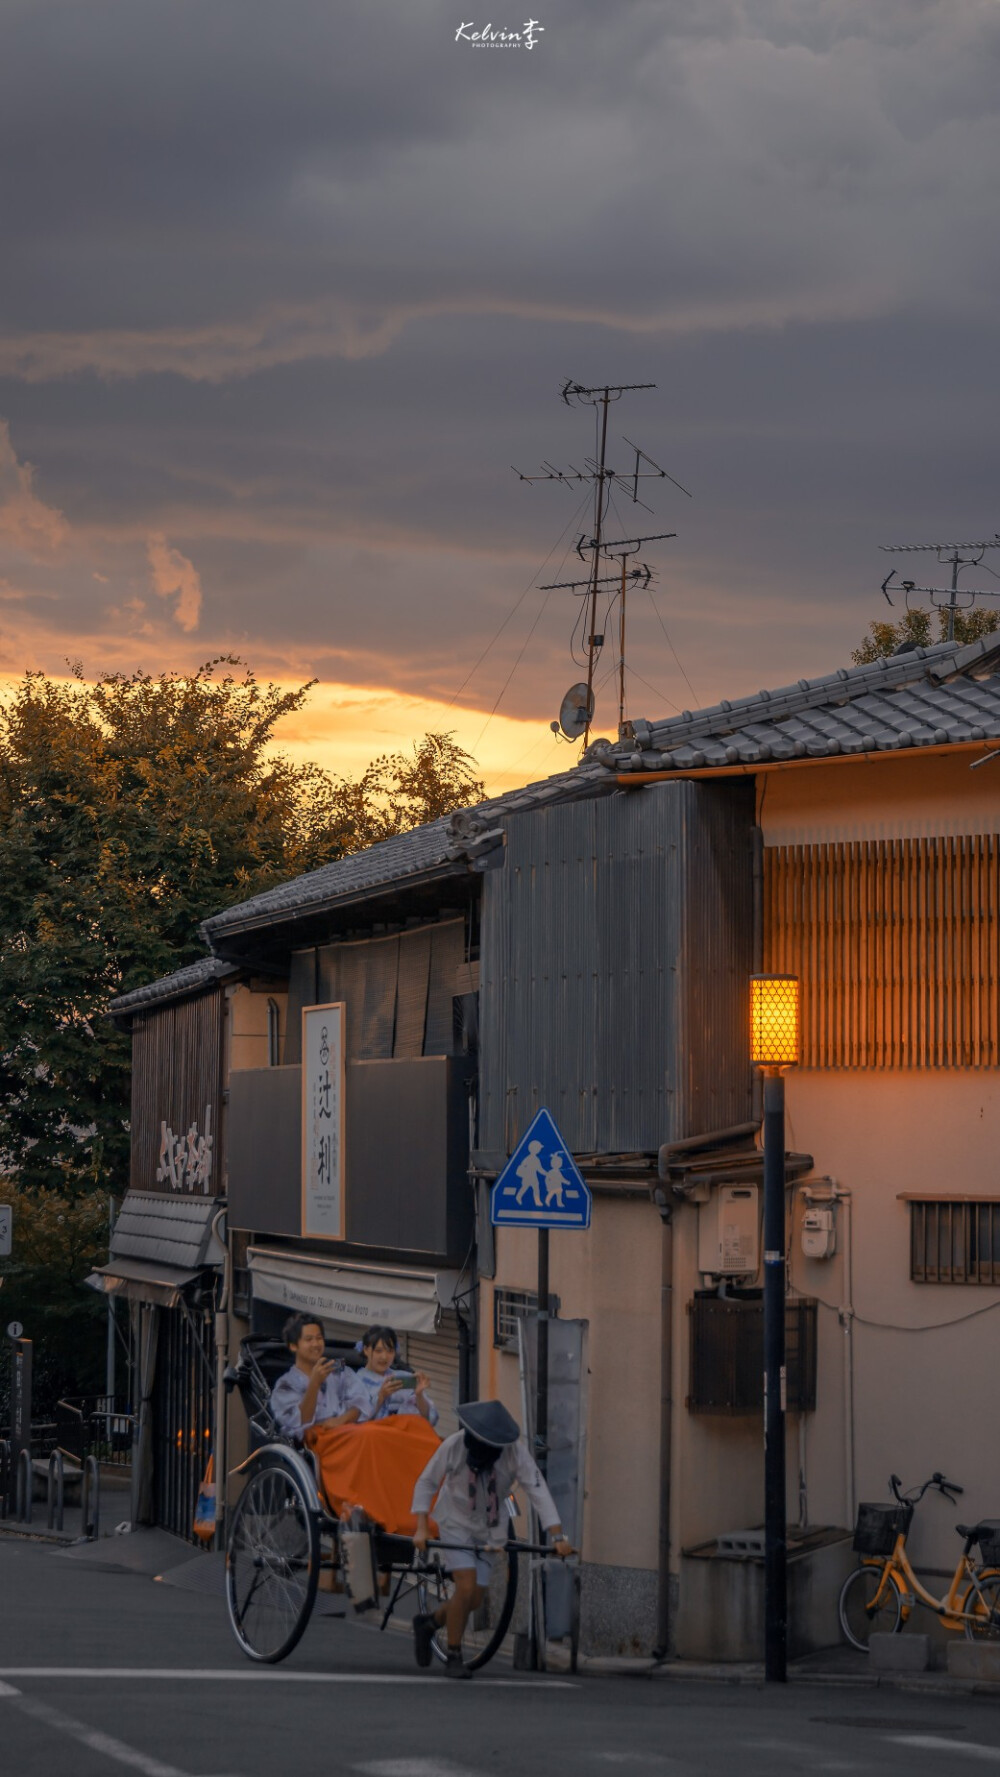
(314, 1391)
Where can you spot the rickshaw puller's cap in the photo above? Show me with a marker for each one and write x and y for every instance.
(490, 1422)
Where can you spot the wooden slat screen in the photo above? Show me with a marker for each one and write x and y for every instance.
(176, 1075)
(897, 945)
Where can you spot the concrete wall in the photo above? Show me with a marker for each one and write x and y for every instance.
(924, 1357)
(248, 1024)
(609, 1276)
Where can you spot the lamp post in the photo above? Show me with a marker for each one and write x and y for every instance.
(774, 1046)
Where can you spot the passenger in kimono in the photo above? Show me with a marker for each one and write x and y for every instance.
(314, 1391)
(384, 1392)
(470, 1476)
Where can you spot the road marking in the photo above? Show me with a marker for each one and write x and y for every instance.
(987, 1755)
(7, 1690)
(413, 1767)
(105, 1744)
(268, 1675)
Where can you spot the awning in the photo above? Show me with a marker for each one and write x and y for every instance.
(159, 1244)
(139, 1282)
(365, 1295)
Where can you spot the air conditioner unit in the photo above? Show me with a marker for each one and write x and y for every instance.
(729, 1232)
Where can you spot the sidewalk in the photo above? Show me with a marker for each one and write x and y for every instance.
(836, 1668)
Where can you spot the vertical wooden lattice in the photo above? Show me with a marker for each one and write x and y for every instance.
(895, 942)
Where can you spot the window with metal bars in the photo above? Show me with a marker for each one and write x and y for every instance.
(510, 1306)
(955, 1240)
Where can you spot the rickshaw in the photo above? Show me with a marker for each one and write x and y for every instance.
(283, 1534)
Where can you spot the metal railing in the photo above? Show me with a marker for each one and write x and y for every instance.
(90, 1499)
(6, 1477)
(55, 1491)
(95, 1425)
(23, 1488)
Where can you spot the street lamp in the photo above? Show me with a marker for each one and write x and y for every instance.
(774, 1046)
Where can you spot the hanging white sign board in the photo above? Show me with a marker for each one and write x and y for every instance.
(323, 1207)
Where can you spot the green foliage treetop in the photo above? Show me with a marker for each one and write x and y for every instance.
(918, 627)
(130, 810)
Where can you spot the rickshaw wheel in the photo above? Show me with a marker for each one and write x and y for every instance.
(435, 1587)
(272, 1564)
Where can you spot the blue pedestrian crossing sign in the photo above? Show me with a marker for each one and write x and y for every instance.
(541, 1185)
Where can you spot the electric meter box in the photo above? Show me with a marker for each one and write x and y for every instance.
(819, 1234)
(729, 1232)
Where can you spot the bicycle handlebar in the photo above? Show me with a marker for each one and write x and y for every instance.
(914, 1494)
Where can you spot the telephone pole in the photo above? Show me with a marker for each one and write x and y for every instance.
(605, 477)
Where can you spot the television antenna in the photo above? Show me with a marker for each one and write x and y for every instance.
(954, 555)
(605, 478)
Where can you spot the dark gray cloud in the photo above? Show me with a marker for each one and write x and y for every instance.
(290, 288)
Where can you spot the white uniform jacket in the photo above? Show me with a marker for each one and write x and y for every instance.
(462, 1498)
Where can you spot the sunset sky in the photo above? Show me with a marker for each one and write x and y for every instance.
(285, 290)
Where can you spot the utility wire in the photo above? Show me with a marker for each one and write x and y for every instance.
(520, 601)
(513, 670)
(670, 645)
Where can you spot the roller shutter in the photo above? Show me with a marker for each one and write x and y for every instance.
(437, 1355)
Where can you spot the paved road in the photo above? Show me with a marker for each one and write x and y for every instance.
(104, 1672)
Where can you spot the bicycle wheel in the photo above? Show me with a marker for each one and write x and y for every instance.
(860, 1615)
(272, 1564)
(488, 1625)
(981, 1607)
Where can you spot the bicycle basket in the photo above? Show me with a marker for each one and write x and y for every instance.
(989, 1541)
(878, 1526)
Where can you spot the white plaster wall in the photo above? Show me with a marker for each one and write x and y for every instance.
(881, 798)
(609, 1276)
(926, 1359)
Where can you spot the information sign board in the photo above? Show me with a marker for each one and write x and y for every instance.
(323, 1092)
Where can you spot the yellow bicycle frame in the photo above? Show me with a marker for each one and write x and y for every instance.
(953, 1610)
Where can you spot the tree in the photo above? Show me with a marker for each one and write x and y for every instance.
(58, 1237)
(130, 809)
(917, 626)
(400, 791)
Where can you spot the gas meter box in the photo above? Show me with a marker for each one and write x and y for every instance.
(819, 1234)
(729, 1232)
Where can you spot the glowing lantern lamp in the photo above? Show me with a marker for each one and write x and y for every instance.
(774, 1046)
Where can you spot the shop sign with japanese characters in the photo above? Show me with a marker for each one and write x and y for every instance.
(323, 1121)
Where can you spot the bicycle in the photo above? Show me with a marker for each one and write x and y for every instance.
(879, 1596)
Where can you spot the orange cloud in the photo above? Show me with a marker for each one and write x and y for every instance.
(25, 521)
(172, 573)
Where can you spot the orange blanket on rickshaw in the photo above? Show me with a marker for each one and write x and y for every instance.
(375, 1466)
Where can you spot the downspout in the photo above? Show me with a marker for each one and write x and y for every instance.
(661, 1197)
(757, 952)
(221, 1400)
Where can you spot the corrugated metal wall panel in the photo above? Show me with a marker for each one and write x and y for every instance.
(615, 953)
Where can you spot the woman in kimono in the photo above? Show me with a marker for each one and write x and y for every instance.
(384, 1393)
(470, 1476)
(314, 1391)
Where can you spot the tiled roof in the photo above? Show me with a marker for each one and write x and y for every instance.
(928, 697)
(450, 846)
(183, 982)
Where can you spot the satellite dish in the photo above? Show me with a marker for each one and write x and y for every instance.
(576, 712)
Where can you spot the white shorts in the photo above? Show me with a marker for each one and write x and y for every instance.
(461, 1560)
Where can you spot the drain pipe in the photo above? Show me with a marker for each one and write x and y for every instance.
(661, 1197)
(221, 1362)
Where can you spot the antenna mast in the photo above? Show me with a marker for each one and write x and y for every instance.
(954, 555)
(604, 479)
